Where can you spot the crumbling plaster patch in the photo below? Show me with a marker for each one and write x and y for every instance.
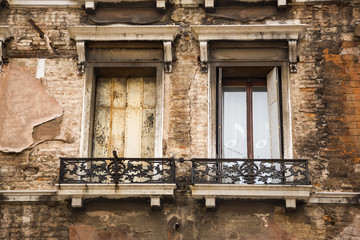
(24, 104)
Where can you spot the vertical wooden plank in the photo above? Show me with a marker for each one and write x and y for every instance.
(149, 93)
(133, 117)
(148, 119)
(118, 115)
(102, 118)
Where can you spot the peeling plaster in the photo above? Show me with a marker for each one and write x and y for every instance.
(24, 104)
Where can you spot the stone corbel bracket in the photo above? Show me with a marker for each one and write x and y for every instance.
(90, 4)
(289, 32)
(80, 48)
(5, 33)
(164, 33)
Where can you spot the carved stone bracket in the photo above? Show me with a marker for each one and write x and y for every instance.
(5, 33)
(281, 3)
(80, 48)
(293, 56)
(204, 56)
(168, 56)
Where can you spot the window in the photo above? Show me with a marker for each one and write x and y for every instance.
(248, 113)
(125, 113)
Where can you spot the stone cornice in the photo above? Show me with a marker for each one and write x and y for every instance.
(249, 32)
(43, 3)
(124, 33)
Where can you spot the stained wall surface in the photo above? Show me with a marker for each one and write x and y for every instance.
(325, 104)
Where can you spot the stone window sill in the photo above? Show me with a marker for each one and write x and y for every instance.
(78, 192)
(212, 191)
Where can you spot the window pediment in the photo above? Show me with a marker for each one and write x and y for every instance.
(249, 32)
(163, 33)
(124, 33)
(270, 32)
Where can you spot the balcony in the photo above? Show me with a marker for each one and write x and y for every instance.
(82, 178)
(250, 178)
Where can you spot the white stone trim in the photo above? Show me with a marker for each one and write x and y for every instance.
(335, 197)
(281, 3)
(43, 3)
(249, 32)
(115, 191)
(289, 193)
(119, 32)
(28, 195)
(79, 192)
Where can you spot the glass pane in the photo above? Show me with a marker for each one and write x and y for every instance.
(261, 127)
(234, 122)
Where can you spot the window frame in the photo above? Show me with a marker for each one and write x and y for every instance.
(248, 83)
(285, 103)
(87, 121)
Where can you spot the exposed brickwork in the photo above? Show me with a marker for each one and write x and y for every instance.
(325, 102)
(328, 61)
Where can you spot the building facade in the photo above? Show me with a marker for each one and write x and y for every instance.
(186, 119)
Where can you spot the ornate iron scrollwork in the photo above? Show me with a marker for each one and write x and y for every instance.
(116, 170)
(250, 171)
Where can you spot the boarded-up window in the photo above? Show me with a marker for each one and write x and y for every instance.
(124, 117)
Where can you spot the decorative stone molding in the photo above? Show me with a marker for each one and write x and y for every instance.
(289, 193)
(208, 191)
(79, 192)
(28, 195)
(163, 33)
(290, 32)
(335, 197)
(88, 4)
(5, 33)
(43, 3)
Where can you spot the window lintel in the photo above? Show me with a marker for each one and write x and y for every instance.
(291, 32)
(118, 32)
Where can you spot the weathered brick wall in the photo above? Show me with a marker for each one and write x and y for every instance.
(326, 122)
(325, 95)
(182, 219)
(324, 91)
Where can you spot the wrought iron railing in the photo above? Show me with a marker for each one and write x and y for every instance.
(116, 170)
(250, 171)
